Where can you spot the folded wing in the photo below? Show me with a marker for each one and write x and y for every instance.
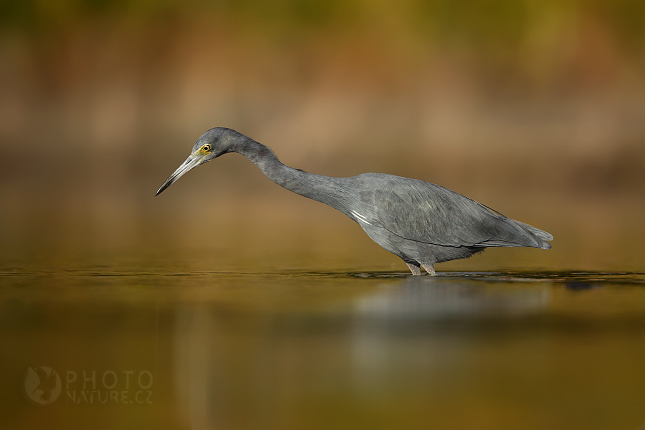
(425, 212)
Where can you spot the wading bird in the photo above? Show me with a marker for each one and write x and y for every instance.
(420, 222)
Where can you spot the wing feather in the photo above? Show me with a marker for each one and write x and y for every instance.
(425, 212)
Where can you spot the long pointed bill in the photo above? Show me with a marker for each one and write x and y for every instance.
(191, 162)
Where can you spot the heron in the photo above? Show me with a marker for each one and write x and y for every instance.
(420, 222)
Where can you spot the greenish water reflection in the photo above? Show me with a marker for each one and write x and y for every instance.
(302, 350)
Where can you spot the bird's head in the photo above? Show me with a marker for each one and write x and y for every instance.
(215, 142)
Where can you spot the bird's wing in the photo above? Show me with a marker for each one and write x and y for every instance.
(425, 212)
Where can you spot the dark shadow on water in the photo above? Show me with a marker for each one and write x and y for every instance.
(524, 276)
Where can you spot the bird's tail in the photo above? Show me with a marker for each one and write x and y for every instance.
(541, 236)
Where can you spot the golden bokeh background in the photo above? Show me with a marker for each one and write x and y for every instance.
(252, 307)
(535, 108)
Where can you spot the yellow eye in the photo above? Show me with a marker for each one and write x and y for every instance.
(206, 148)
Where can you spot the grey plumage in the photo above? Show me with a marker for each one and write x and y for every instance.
(420, 222)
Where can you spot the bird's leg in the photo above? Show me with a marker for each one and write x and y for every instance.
(416, 271)
(430, 269)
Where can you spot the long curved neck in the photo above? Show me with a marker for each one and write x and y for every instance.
(324, 189)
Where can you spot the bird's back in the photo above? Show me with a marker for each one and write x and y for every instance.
(424, 212)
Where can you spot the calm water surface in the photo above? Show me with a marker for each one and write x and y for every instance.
(159, 347)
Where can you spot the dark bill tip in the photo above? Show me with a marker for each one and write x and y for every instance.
(163, 187)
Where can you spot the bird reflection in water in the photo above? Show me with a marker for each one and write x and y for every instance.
(235, 364)
(432, 298)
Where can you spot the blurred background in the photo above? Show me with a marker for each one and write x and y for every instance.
(535, 108)
(252, 307)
